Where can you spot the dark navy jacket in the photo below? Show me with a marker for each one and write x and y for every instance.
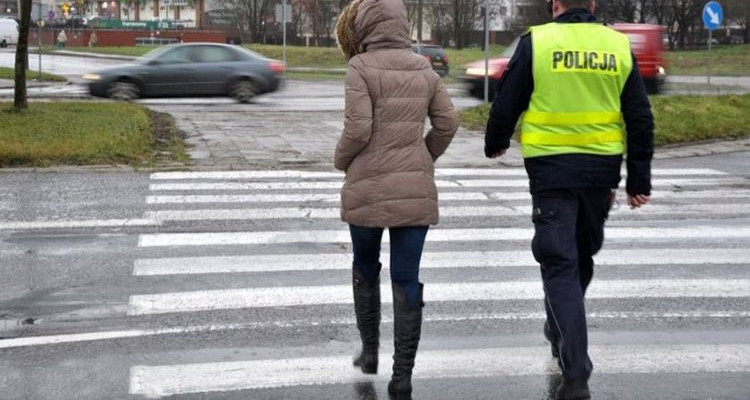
(573, 171)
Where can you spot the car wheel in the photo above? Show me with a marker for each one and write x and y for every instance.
(4, 44)
(123, 90)
(244, 91)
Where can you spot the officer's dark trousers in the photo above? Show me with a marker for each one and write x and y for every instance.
(569, 230)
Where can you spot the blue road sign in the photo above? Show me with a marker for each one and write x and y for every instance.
(713, 15)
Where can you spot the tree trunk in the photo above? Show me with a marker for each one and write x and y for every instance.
(22, 56)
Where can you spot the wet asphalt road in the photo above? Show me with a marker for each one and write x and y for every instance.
(126, 284)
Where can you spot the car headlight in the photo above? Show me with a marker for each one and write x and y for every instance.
(661, 71)
(480, 71)
(92, 77)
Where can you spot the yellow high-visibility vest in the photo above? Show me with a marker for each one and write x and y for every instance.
(580, 70)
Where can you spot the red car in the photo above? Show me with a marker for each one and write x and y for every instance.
(645, 40)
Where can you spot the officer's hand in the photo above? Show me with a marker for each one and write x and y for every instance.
(497, 154)
(638, 200)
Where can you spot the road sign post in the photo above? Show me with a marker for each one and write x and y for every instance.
(284, 5)
(39, 26)
(713, 17)
(486, 50)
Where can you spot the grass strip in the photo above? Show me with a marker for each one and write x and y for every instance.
(726, 60)
(10, 73)
(678, 119)
(87, 133)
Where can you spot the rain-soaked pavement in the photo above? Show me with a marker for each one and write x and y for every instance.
(231, 280)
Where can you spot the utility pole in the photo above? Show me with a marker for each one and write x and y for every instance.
(486, 51)
(39, 25)
(419, 21)
(284, 4)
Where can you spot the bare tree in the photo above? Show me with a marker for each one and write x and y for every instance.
(643, 10)
(738, 11)
(617, 10)
(321, 16)
(439, 18)
(465, 14)
(686, 14)
(20, 98)
(250, 15)
(530, 13)
(663, 13)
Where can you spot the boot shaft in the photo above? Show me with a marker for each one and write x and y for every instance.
(407, 330)
(367, 310)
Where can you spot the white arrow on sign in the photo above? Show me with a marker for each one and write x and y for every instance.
(713, 14)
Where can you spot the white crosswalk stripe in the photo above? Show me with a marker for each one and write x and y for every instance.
(166, 380)
(284, 224)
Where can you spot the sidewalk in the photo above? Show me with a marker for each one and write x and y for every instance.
(11, 84)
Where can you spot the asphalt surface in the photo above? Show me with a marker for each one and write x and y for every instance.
(231, 281)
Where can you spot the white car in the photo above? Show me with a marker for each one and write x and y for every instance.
(8, 32)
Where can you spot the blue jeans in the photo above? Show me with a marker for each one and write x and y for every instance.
(406, 252)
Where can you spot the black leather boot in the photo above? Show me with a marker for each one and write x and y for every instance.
(367, 310)
(407, 328)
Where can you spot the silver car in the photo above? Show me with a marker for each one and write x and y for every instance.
(190, 69)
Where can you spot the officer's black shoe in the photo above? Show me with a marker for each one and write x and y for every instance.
(573, 389)
(553, 346)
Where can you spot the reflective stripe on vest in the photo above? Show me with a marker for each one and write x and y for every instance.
(579, 72)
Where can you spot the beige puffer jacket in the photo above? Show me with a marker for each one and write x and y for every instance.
(390, 91)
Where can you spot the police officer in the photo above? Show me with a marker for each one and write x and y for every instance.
(584, 104)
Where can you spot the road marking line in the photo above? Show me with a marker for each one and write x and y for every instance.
(288, 296)
(277, 185)
(522, 171)
(236, 214)
(538, 316)
(638, 234)
(62, 224)
(430, 260)
(438, 172)
(442, 196)
(655, 182)
(299, 197)
(473, 183)
(657, 195)
(165, 380)
(245, 175)
(661, 210)
(308, 212)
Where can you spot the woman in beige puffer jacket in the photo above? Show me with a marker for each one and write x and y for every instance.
(389, 165)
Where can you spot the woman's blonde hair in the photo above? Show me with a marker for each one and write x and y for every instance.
(345, 33)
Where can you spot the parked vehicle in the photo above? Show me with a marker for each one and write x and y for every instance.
(645, 40)
(8, 32)
(191, 69)
(435, 55)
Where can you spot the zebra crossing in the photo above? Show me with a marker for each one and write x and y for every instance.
(271, 243)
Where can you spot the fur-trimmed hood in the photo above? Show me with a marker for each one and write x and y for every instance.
(372, 24)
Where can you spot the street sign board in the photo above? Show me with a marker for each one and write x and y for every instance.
(713, 15)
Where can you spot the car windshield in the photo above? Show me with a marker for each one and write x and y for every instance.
(433, 51)
(508, 52)
(153, 54)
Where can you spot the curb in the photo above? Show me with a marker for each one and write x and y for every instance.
(661, 153)
(11, 84)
